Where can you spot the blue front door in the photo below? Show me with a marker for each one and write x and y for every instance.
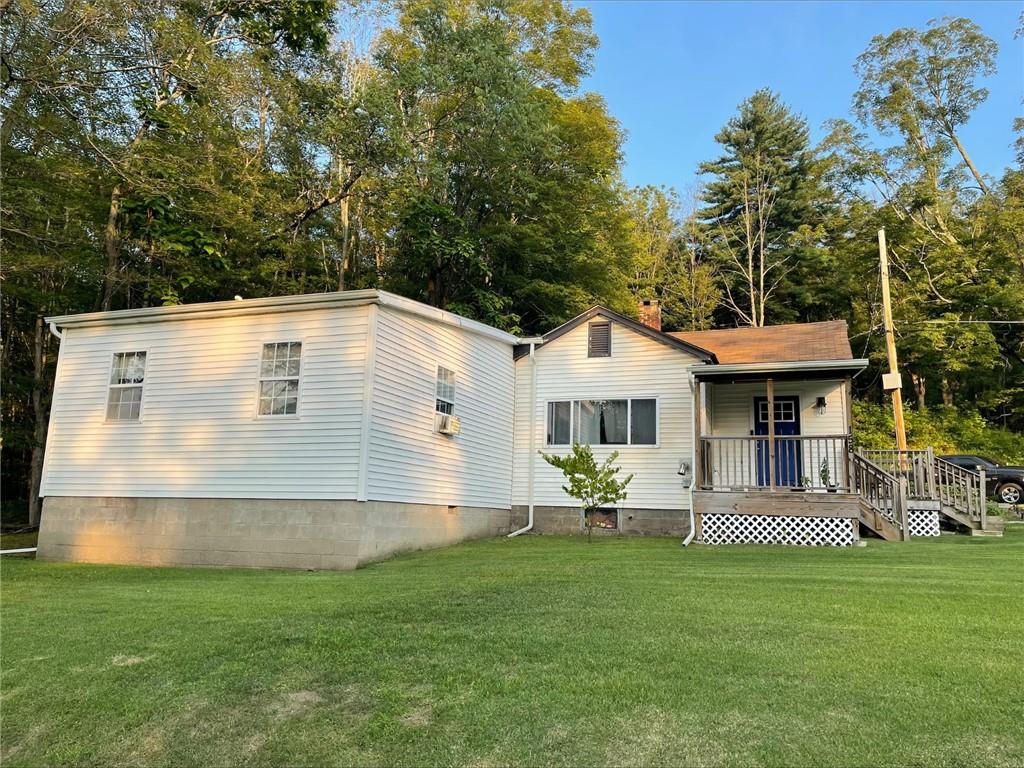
(788, 456)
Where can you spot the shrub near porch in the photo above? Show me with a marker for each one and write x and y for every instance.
(539, 650)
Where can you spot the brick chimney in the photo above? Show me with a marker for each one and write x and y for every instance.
(650, 313)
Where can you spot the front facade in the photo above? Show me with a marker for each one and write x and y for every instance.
(330, 430)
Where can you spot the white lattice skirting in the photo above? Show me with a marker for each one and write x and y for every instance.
(771, 529)
(923, 522)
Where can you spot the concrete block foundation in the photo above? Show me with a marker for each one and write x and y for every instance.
(632, 521)
(252, 533)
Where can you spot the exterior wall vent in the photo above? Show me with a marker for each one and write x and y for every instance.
(599, 339)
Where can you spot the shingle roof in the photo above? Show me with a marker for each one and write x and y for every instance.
(774, 343)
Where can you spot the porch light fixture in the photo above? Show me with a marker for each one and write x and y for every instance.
(819, 405)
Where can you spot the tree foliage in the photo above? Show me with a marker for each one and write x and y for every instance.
(167, 151)
(593, 485)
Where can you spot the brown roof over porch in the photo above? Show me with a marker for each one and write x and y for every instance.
(774, 343)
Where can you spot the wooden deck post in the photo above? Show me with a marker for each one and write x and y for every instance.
(848, 397)
(903, 512)
(698, 430)
(770, 390)
(983, 510)
(931, 473)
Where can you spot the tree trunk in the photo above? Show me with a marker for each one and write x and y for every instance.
(345, 232)
(919, 390)
(40, 416)
(970, 164)
(947, 391)
(112, 245)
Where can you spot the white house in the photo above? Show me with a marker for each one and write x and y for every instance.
(302, 431)
(328, 430)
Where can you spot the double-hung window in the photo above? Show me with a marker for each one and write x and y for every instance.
(127, 377)
(445, 391)
(279, 378)
(631, 421)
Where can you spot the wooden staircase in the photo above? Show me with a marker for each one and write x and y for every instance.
(883, 504)
(890, 483)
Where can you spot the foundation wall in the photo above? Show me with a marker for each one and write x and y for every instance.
(633, 521)
(251, 533)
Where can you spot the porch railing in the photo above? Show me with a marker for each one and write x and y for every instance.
(929, 477)
(914, 465)
(882, 491)
(814, 462)
(961, 489)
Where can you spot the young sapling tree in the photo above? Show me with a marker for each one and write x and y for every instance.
(593, 485)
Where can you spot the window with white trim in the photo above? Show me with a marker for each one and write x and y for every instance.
(127, 377)
(631, 421)
(445, 392)
(785, 411)
(279, 378)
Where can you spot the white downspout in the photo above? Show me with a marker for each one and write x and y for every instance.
(693, 463)
(55, 332)
(530, 443)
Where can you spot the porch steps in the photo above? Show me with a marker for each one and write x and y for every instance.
(917, 480)
(986, 532)
(993, 526)
(876, 523)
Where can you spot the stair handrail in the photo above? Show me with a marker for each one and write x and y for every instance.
(915, 464)
(882, 491)
(960, 488)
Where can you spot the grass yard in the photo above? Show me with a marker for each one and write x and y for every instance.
(18, 540)
(540, 650)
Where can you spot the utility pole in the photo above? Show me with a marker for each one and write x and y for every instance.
(891, 381)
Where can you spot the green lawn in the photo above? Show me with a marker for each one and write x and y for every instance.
(18, 540)
(535, 651)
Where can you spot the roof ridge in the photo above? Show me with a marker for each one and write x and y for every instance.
(760, 327)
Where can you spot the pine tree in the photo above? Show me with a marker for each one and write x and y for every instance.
(759, 206)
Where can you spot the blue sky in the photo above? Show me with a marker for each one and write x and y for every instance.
(674, 72)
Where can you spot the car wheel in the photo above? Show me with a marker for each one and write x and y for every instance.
(1011, 493)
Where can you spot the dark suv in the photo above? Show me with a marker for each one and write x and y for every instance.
(1005, 484)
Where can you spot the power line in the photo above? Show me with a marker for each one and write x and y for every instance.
(953, 320)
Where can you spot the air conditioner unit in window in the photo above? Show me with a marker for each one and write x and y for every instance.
(448, 424)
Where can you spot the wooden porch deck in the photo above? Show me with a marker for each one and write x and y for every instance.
(892, 494)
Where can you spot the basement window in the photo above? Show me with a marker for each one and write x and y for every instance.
(605, 517)
(127, 377)
(279, 378)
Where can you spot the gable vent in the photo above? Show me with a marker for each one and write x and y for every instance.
(599, 341)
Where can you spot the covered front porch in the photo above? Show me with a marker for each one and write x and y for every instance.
(774, 454)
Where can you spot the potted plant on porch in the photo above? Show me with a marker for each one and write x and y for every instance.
(593, 485)
(825, 475)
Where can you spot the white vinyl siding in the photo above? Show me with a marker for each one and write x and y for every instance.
(731, 406)
(409, 460)
(200, 435)
(640, 368)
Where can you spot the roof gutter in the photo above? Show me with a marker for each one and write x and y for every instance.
(274, 304)
(857, 364)
(402, 304)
